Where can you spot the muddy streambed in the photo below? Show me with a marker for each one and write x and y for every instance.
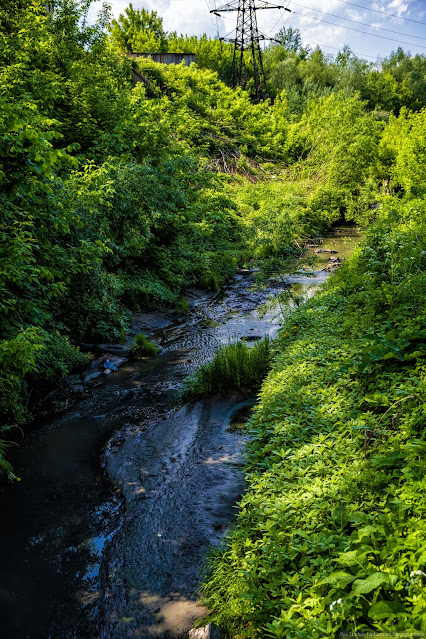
(121, 496)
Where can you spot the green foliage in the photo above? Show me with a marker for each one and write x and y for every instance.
(404, 143)
(338, 142)
(138, 30)
(235, 366)
(143, 347)
(331, 535)
(102, 205)
(5, 466)
(116, 197)
(58, 358)
(305, 74)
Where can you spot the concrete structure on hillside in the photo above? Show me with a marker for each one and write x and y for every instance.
(166, 58)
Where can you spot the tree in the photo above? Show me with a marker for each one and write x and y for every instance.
(138, 30)
(291, 39)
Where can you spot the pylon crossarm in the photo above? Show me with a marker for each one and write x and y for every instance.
(233, 6)
(255, 39)
(230, 6)
(248, 38)
(268, 5)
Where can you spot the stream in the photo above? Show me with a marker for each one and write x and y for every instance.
(121, 495)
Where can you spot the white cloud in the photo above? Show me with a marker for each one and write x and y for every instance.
(193, 17)
(358, 16)
(398, 6)
(183, 16)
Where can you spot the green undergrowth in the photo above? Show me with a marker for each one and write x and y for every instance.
(234, 366)
(330, 536)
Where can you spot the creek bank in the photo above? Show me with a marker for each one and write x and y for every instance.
(64, 513)
(63, 393)
(70, 568)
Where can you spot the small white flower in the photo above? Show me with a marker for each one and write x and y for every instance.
(335, 603)
(417, 573)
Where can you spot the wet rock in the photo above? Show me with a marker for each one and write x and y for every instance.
(148, 322)
(78, 389)
(179, 362)
(86, 348)
(207, 632)
(90, 377)
(60, 406)
(334, 260)
(114, 349)
(96, 368)
(322, 250)
(331, 267)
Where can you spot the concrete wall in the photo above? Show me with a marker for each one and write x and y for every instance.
(166, 58)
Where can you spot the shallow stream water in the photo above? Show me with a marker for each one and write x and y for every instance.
(121, 496)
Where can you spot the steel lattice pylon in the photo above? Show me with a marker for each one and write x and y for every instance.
(247, 38)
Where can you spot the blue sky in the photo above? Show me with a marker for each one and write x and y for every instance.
(193, 17)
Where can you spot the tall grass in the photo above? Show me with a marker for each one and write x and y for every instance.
(143, 347)
(235, 366)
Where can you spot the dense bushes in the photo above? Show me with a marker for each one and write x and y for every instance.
(104, 208)
(113, 197)
(331, 536)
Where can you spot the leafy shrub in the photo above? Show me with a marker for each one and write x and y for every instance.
(59, 357)
(209, 282)
(143, 347)
(5, 466)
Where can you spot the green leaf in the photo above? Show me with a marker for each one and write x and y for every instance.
(385, 609)
(339, 579)
(364, 586)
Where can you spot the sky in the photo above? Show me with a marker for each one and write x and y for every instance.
(321, 22)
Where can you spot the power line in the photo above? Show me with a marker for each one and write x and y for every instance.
(280, 19)
(372, 35)
(328, 46)
(364, 24)
(391, 15)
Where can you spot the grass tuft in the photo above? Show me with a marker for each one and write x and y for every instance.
(235, 366)
(143, 347)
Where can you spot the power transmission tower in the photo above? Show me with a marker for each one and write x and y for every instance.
(247, 38)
